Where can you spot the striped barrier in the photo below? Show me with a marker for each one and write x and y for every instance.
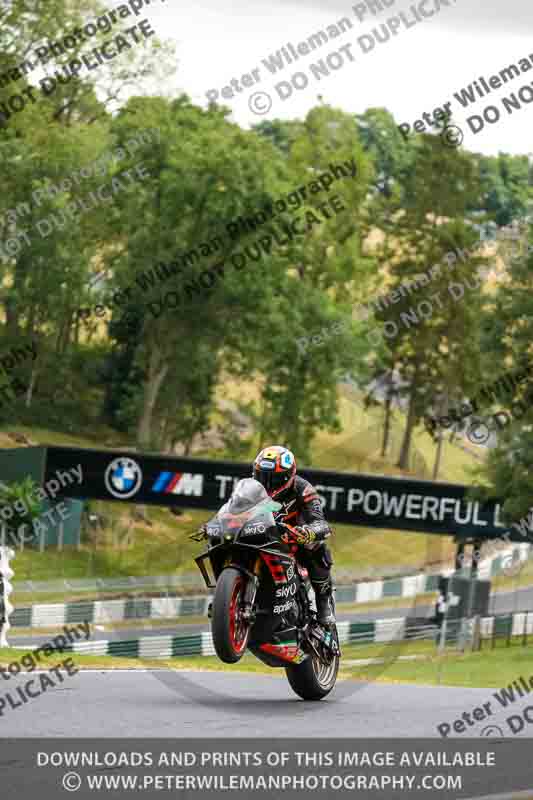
(350, 632)
(110, 611)
(518, 624)
(201, 644)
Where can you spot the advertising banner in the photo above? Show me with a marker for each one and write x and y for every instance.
(366, 500)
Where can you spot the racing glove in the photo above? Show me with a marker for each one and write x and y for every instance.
(300, 535)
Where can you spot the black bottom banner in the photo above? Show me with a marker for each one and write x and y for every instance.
(197, 768)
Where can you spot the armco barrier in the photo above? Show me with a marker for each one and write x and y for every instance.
(109, 611)
(385, 630)
(186, 583)
(201, 644)
(349, 581)
(161, 583)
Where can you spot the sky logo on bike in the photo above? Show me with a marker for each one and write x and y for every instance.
(185, 483)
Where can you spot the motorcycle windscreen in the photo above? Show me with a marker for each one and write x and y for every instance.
(247, 512)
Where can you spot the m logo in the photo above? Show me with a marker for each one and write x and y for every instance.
(185, 483)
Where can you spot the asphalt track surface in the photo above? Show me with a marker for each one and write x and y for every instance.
(185, 706)
(225, 705)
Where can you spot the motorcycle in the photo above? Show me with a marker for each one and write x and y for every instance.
(263, 599)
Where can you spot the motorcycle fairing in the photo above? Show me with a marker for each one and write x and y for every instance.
(291, 653)
(278, 565)
(274, 638)
(281, 649)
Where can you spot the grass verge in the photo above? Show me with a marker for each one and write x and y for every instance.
(486, 669)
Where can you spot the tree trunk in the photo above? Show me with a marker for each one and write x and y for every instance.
(438, 456)
(31, 387)
(156, 375)
(261, 426)
(403, 461)
(440, 441)
(386, 425)
(63, 336)
(11, 313)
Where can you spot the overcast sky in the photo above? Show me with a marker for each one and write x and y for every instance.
(415, 71)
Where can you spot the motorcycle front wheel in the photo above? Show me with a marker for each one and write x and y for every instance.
(230, 630)
(312, 679)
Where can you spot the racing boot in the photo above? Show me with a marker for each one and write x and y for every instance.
(325, 604)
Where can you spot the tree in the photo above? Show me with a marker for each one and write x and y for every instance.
(508, 342)
(320, 268)
(438, 348)
(194, 185)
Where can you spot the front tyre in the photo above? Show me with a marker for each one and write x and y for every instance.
(313, 680)
(229, 628)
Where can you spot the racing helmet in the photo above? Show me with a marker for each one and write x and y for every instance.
(275, 468)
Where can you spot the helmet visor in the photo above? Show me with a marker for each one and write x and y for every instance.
(272, 481)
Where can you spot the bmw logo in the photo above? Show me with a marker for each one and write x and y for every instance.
(123, 478)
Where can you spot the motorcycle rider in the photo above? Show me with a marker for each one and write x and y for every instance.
(275, 468)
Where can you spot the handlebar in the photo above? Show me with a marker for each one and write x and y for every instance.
(199, 535)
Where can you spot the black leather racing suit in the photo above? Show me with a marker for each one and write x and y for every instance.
(301, 506)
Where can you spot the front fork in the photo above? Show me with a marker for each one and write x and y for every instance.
(251, 590)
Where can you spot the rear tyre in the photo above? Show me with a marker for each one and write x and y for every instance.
(230, 631)
(313, 680)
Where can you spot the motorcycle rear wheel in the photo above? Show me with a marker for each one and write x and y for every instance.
(230, 631)
(313, 680)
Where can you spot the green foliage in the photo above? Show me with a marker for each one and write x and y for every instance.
(18, 496)
(391, 155)
(154, 378)
(436, 355)
(509, 339)
(506, 187)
